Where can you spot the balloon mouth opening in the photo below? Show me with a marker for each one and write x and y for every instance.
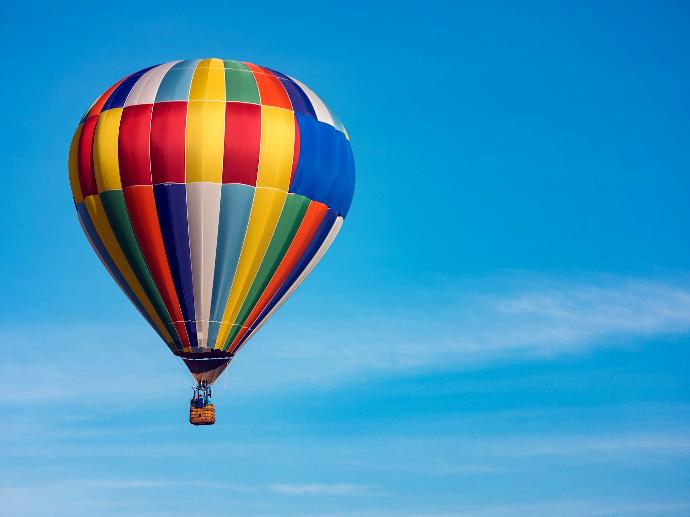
(206, 367)
(204, 354)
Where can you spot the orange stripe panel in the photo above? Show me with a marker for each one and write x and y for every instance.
(271, 90)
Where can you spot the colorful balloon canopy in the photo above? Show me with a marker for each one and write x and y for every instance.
(210, 189)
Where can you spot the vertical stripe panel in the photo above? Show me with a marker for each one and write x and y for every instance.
(133, 145)
(206, 123)
(171, 206)
(295, 152)
(300, 101)
(271, 90)
(208, 83)
(235, 206)
(109, 215)
(281, 296)
(240, 84)
(143, 306)
(322, 112)
(277, 147)
(87, 180)
(325, 168)
(100, 102)
(242, 143)
(304, 236)
(203, 205)
(268, 203)
(73, 166)
(141, 208)
(119, 96)
(205, 138)
(168, 126)
(289, 222)
(146, 88)
(105, 150)
(343, 187)
(135, 171)
(176, 83)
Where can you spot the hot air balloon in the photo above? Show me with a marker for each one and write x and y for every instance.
(210, 189)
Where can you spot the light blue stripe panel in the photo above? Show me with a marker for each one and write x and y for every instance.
(177, 82)
(235, 205)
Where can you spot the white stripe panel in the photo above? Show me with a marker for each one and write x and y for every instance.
(144, 90)
(312, 264)
(322, 112)
(203, 207)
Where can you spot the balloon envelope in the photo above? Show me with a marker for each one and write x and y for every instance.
(209, 190)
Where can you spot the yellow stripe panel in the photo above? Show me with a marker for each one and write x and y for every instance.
(205, 141)
(73, 168)
(208, 83)
(94, 206)
(205, 132)
(277, 147)
(263, 218)
(105, 144)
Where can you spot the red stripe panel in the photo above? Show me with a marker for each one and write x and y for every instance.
(295, 152)
(141, 207)
(87, 176)
(168, 125)
(310, 224)
(242, 141)
(271, 90)
(98, 105)
(133, 145)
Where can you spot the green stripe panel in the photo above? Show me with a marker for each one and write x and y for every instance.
(240, 85)
(116, 210)
(288, 224)
(235, 65)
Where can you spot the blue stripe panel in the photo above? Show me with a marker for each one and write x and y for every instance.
(119, 96)
(325, 168)
(343, 188)
(103, 254)
(177, 82)
(320, 236)
(299, 99)
(171, 205)
(235, 205)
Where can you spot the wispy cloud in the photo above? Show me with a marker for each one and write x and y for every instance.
(509, 318)
(342, 489)
(149, 484)
(290, 489)
(563, 508)
(512, 318)
(581, 446)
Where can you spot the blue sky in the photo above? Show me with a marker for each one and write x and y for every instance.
(502, 327)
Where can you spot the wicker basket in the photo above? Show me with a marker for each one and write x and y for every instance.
(202, 416)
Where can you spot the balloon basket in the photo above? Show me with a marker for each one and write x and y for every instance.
(202, 416)
(201, 409)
